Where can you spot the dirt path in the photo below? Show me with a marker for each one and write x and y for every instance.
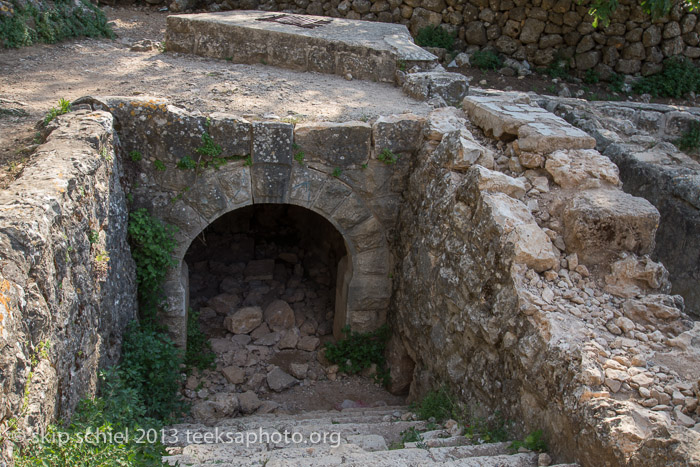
(33, 79)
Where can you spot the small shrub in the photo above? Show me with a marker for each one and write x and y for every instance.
(151, 366)
(388, 157)
(299, 157)
(358, 351)
(159, 165)
(616, 83)
(591, 76)
(199, 354)
(30, 22)
(209, 147)
(435, 36)
(533, 442)
(248, 161)
(152, 244)
(690, 139)
(64, 107)
(337, 172)
(136, 156)
(486, 60)
(411, 435)
(186, 163)
(558, 69)
(438, 404)
(678, 78)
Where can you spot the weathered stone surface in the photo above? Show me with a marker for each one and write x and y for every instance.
(493, 181)
(53, 287)
(239, 37)
(244, 320)
(458, 150)
(224, 304)
(601, 223)
(278, 380)
(279, 316)
(336, 144)
(249, 402)
(308, 343)
(400, 365)
(581, 169)
(234, 374)
(537, 130)
(631, 276)
(452, 87)
(221, 405)
(259, 270)
(398, 133)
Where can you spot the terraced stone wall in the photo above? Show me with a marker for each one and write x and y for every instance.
(539, 31)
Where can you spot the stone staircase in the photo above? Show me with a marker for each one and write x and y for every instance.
(356, 436)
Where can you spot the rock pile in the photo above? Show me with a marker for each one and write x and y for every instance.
(267, 308)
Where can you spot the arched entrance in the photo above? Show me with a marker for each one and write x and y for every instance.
(362, 285)
(284, 263)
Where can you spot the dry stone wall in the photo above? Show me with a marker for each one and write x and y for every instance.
(498, 297)
(639, 139)
(539, 31)
(67, 280)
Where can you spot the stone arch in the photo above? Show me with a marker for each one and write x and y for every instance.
(364, 287)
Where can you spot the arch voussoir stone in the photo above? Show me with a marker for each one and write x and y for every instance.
(305, 185)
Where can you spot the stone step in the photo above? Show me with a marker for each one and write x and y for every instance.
(365, 49)
(350, 454)
(197, 435)
(537, 130)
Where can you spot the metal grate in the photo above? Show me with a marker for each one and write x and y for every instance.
(305, 22)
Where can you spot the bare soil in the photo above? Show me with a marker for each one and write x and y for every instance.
(33, 79)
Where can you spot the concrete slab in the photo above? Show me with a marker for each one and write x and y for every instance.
(365, 49)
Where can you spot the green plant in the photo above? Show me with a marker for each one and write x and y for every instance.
(364, 166)
(102, 257)
(591, 76)
(401, 65)
(357, 351)
(64, 107)
(159, 165)
(198, 354)
(186, 163)
(248, 161)
(616, 83)
(299, 157)
(93, 236)
(486, 60)
(435, 36)
(388, 157)
(411, 435)
(337, 172)
(151, 366)
(492, 431)
(437, 404)
(534, 442)
(135, 156)
(690, 139)
(678, 78)
(209, 147)
(152, 245)
(558, 68)
(29, 22)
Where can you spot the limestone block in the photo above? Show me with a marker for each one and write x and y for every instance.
(231, 132)
(401, 365)
(444, 120)
(601, 223)
(259, 270)
(494, 181)
(244, 320)
(221, 405)
(279, 316)
(272, 142)
(452, 87)
(531, 246)
(278, 380)
(458, 151)
(398, 133)
(633, 275)
(581, 168)
(270, 182)
(335, 144)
